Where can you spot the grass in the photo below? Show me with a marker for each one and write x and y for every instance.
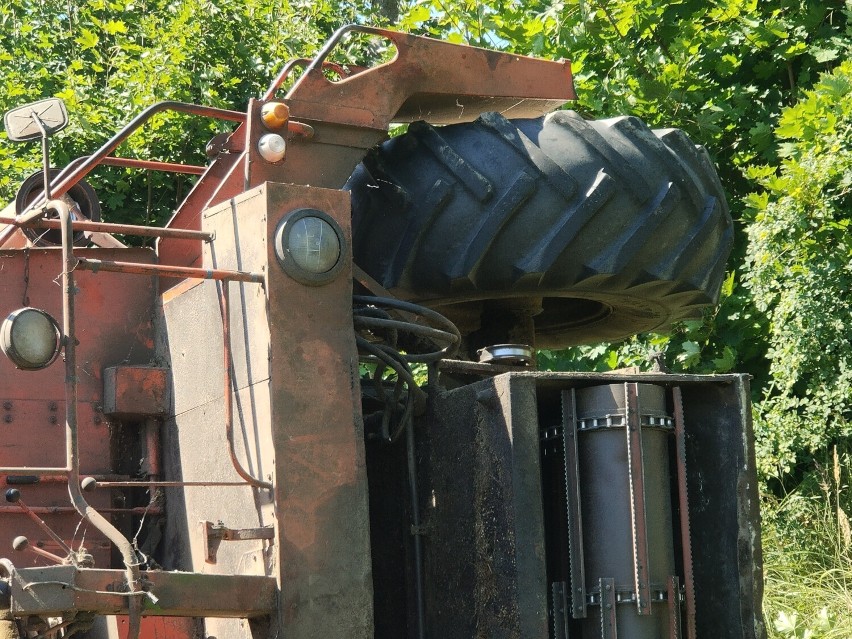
(807, 548)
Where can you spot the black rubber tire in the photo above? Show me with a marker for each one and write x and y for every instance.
(608, 227)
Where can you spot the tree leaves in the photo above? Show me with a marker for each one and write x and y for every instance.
(799, 273)
(109, 60)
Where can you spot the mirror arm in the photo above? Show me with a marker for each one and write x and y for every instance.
(45, 153)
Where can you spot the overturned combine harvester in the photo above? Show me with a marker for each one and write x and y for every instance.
(230, 470)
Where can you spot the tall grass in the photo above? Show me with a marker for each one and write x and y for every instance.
(807, 547)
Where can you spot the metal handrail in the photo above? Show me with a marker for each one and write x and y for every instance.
(108, 227)
(72, 455)
(66, 179)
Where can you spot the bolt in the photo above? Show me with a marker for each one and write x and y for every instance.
(98, 419)
(7, 405)
(53, 419)
(8, 419)
(52, 406)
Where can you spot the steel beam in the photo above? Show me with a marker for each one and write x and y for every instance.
(54, 590)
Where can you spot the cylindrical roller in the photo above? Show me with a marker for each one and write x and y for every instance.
(615, 534)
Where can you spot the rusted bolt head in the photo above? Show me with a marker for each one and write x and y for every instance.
(7, 405)
(13, 495)
(7, 419)
(20, 543)
(53, 419)
(52, 406)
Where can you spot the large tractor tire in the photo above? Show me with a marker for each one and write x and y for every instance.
(591, 230)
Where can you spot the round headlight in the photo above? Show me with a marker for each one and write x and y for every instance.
(30, 338)
(272, 147)
(309, 245)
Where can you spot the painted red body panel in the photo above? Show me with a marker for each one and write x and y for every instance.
(114, 324)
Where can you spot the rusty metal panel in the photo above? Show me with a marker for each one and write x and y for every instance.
(34, 436)
(240, 226)
(114, 325)
(190, 338)
(434, 81)
(202, 429)
(136, 391)
(486, 529)
(114, 315)
(219, 175)
(162, 628)
(323, 539)
(297, 399)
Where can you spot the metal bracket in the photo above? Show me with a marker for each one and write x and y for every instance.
(608, 617)
(683, 501)
(55, 591)
(213, 534)
(559, 599)
(572, 491)
(636, 470)
(674, 608)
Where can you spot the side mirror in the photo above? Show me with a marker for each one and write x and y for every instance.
(30, 121)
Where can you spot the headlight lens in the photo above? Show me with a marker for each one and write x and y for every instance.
(30, 338)
(314, 245)
(310, 246)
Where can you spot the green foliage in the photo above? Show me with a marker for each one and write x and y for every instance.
(109, 60)
(807, 545)
(799, 274)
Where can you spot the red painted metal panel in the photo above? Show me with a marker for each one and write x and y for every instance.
(162, 628)
(323, 544)
(114, 322)
(136, 390)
